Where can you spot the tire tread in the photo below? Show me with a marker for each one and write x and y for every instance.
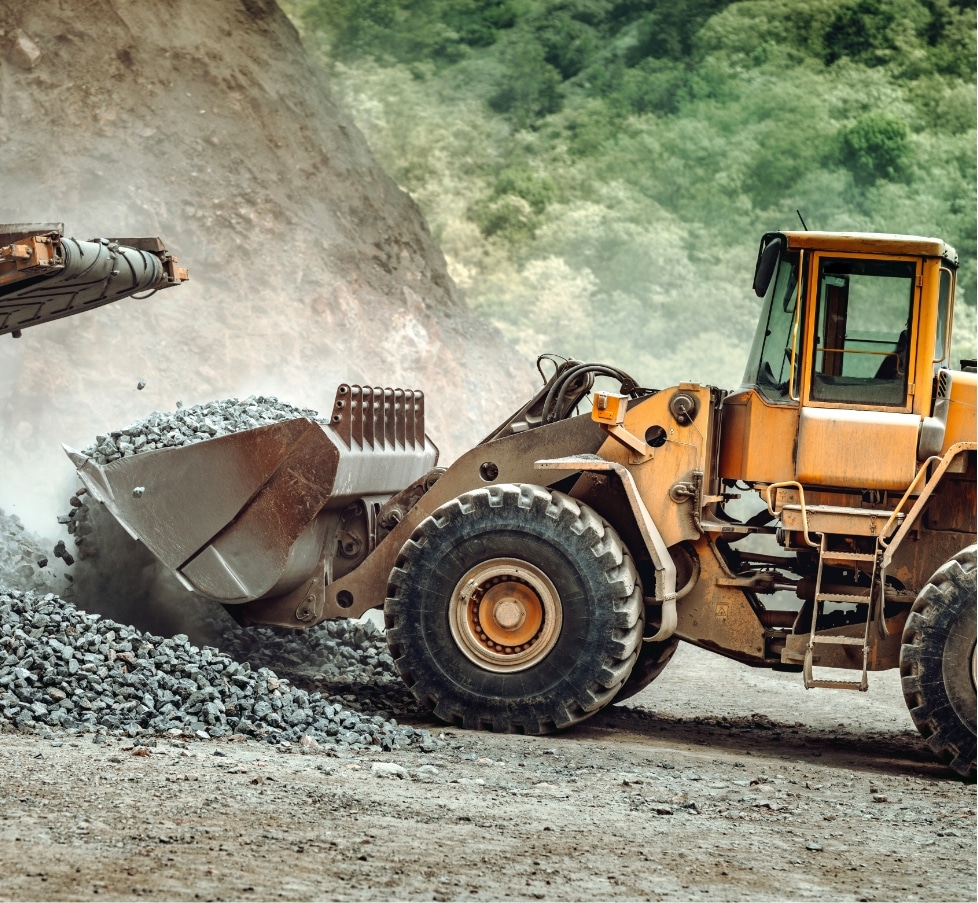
(935, 615)
(610, 555)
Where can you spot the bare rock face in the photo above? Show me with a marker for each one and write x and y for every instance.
(206, 124)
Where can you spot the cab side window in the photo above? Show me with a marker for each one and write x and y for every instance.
(774, 373)
(942, 345)
(862, 331)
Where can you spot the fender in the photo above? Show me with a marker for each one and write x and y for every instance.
(665, 567)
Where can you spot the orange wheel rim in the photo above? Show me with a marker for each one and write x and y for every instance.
(505, 614)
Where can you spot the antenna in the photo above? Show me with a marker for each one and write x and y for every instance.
(803, 224)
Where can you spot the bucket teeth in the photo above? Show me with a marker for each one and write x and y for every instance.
(379, 418)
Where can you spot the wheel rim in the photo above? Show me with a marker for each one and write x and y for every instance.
(505, 614)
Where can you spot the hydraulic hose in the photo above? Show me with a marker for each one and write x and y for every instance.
(551, 410)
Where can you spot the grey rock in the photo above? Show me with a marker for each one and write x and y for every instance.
(154, 685)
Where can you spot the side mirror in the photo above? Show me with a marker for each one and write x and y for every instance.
(767, 262)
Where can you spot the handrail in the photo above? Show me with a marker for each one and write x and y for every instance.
(945, 462)
(923, 470)
(804, 511)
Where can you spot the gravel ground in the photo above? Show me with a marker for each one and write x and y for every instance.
(143, 764)
(716, 783)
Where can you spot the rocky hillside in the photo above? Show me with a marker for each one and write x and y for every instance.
(208, 125)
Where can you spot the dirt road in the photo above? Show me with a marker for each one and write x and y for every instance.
(716, 783)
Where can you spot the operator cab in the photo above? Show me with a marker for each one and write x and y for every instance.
(853, 330)
(858, 351)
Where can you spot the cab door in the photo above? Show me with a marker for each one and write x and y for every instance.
(856, 427)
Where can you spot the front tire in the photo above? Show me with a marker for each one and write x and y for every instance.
(937, 662)
(652, 661)
(514, 608)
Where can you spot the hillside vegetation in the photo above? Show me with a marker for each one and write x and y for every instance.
(598, 172)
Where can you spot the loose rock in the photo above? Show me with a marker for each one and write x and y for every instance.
(61, 667)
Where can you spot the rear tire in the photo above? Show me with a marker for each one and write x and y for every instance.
(514, 608)
(937, 662)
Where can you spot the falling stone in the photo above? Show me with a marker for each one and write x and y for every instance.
(24, 53)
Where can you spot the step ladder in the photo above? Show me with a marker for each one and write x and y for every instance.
(862, 597)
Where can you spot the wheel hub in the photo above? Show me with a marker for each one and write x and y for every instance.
(509, 614)
(505, 614)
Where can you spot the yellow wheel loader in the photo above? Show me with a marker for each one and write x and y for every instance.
(555, 567)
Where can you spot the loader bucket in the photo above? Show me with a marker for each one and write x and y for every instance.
(272, 511)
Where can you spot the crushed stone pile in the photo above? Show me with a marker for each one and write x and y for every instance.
(338, 653)
(184, 426)
(349, 659)
(61, 667)
(117, 578)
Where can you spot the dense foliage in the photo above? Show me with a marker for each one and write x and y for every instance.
(598, 172)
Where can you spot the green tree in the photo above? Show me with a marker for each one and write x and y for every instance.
(353, 27)
(530, 86)
(617, 159)
(876, 147)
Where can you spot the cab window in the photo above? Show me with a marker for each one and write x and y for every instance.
(773, 367)
(862, 331)
(942, 345)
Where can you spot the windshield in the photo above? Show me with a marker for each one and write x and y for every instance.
(769, 366)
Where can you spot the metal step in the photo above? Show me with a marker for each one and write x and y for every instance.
(860, 597)
(838, 520)
(813, 683)
(848, 556)
(839, 641)
(850, 598)
(860, 685)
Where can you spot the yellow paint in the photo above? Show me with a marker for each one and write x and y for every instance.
(961, 420)
(608, 407)
(757, 439)
(684, 451)
(876, 244)
(857, 449)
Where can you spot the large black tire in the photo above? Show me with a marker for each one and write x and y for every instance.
(937, 662)
(652, 660)
(464, 578)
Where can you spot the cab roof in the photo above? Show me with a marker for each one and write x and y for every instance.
(873, 243)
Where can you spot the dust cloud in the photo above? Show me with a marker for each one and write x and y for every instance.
(211, 128)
